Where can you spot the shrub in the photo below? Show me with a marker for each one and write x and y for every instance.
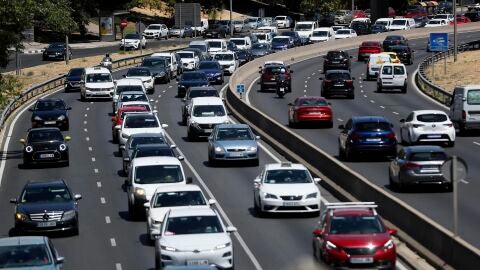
(10, 86)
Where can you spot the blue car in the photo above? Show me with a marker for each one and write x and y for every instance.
(213, 70)
(29, 252)
(73, 79)
(280, 43)
(367, 134)
(189, 79)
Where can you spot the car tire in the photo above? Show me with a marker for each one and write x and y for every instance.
(451, 144)
(158, 263)
(82, 98)
(258, 209)
(449, 187)
(404, 89)
(255, 162)
(291, 124)
(329, 124)
(66, 163)
(391, 183)
(114, 137)
(341, 153)
(131, 210)
(351, 96)
(211, 162)
(190, 136)
(66, 127)
(379, 88)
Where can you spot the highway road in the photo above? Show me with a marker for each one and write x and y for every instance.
(434, 203)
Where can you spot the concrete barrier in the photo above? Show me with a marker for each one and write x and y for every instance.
(446, 248)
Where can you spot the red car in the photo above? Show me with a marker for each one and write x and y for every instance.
(359, 14)
(310, 109)
(117, 120)
(367, 48)
(269, 72)
(352, 235)
(461, 20)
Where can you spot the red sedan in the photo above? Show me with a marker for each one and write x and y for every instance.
(461, 20)
(310, 109)
(117, 120)
(367, 48)
(359, 14)
(352, 235)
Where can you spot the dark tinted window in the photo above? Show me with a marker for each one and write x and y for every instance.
(259, 46)
(144, 121)
(209, 65)
(194, 76)
(132, 36)
(336, 55)
(287, 177)
(432, 117)
(158, 174)
(355, 225)
(337, 76)
(203, 93)
(229, 134)
(146, 140)
(154, 152)
(152, 62)
(311, 102)
(44, 135)
(134, 72)
(275, 69)
(75, 72)
(98, 77)
(45, 194)
(49, 105)
(372, 126)
(133, 97)
(20, 256)
(125, 88)
(428, 156)
(180, 198)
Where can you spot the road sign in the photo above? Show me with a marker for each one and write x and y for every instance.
(123, 23)
(240, 88)
(438, 42)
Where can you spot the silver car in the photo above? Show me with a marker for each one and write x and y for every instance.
(418, 165)
(232, 142)
(29, 252)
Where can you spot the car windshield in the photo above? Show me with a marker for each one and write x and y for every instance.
(179, 198)
(20, 256)
(223, 57)
(154, 152)
(335, 55)
(473, 96)
(202, 48)
(193, 225)
(287, 177)
(125, 88)
(49, 105)
(98, 78)
(186, 55)
(144, 121)
(208, 110)
(337, 76)
(280, 41)
(238, 41)
(215, 44)
(399, 22)
(434, 22)
(234, 134)
(360, 224)
(151, 62)
(372, 126)
(203, 93)
(428, 156)
(392, 38)
(138, 72)
(441, 16)
(303, 27)
(312, 102)
(140, 96)
(432, 117)
(320, 34)
(259, 46)
(153, 27)
(193, 76)
(45, 194)
(147, 107)
(384, 23)
(75, 72)
(209, 65)
(260, 36)
(56, 46)
(44, 136)
(289, 33)
(132, 36)
(146, 140)
(123, 113)
(274, 69)
(158, 174)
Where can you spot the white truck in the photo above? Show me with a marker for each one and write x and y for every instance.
(305, 29)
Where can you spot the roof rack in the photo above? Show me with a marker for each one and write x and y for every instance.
(286, 164)
(351, 205)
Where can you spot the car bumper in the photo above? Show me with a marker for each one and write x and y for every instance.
(411, 178)
(338, 91)
(314, 118)
(34, 226)
(130, 46)
(434, 136)
(244, 155)
(222, 258)
(471, 124)
(34, 157)
(335, 66)
(55, 123)
(381, 260)
(98, 94)
(53, 56)
(281, 206)
(269, 84)
(375, 148)
(151, 35)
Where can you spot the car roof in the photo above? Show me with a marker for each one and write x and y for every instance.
(284, 166)
(207, 101)
(131, 92)
(161, 160)
(22, 240)
(43, 183)
(423, 148)
(198, 42)
(232, 126)
(362, 119)
(353, 212)
(186, 212)
(97, 70)
(130, 81)
(186, 51)
(161, 54)
(153, 145)
(147, 135)
(201, 88)
(429, 111)
(177, 187)
(50, 99)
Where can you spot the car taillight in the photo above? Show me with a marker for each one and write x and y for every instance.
(418, 125)
(464, 115)
(328, 81)
(355, 136)
(349, 82)
(390, 135)
(411, 165)
(448, 125)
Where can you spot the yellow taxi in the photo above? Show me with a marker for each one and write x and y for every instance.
(394, 57)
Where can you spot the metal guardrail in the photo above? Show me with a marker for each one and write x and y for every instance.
(426, 84)
(59, 81)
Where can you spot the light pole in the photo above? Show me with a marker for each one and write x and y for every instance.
(455, 31)
(231, 25)
(353, 6)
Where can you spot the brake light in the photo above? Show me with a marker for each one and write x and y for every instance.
(464, 115)
(349, 82)
(448, 125)
(327, 81)
(418, 125)
(390, 135)
(411, 165)
(355, 136)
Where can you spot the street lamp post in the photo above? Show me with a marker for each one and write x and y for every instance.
(455, 31)
(231, 25)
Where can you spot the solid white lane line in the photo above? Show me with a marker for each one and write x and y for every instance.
(396, 113)
(118, 266)
(90, 149)
(477, 143)
(113, 242)
(87, 138)
(102, 200)
(91, 102)
(95, 170)
(107, 220)
(219, 208)
(84, 122)
(93, 159)
(99, 184)
(382, 107)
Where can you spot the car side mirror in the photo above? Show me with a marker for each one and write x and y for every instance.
(464, 99)
(231, 229)
(77, 197)
(60, 260)
(212, 202)
(146, 205)
(258, 137)
(22, 141)
(68, 138)
(31, 109)
(402, 120)
(341, 127)
(257, 182)
(392, 231)
(189, 180)
(181, 158)
(317, 180)
(164, 126)
(14, 201)
(68, 108)
(317, 233)
(124, 75)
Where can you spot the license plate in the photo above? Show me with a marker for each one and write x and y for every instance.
(338, 84)
(361, 260)
(282, 89)
(335, 62)
(208, 130)
(434, 136)
(316, 113)
(51, 56)
(373, 139)
(272, 79)
(236, 154)
(197, 262)
(47, 224)
(291, 203)
(50, 122)
(47, 155)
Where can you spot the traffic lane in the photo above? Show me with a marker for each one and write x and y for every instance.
(81, 252)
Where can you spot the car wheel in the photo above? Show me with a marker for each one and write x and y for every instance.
(131, 210)
(291, 124)
(449, 187)
(404, 89)
(158, 263)
(82, 98)
(190, 136)
(75, 231)
(379, 88)
(114, 137)
(402, 140)
(330, 124)
(255, 162)
(341, 153)
(391, 183)
(211, 161)
(66, 127)
(66, 163)
(451, 143)
(348, 154)
(351, 96)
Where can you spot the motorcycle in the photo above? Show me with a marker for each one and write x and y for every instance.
(283, 85)
(106, 63)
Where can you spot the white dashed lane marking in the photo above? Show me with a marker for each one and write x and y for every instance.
(102, 200)
(86, 130)
(372, 101)
(95, 170)
(87, 138)
(86, 115)
(365, 96)
(396, 113)
(88, 109)
(118, 266)
(93, 159)
(99, 184)
(477, 143)
(340, 120)
(113, 242)
(90, 149)
(170, 86)
(84, 122)
(107, 220)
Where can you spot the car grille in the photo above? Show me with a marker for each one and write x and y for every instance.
(47, 216)
(236, 149)
(360, 251)
(206, 125)
(37, 155)
(291, 198)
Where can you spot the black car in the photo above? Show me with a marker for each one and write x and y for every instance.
(213, 70)
(73, 79)
(45, 145)
(326, 19)
(362, 28)
(158, 66)
(189, 79)
(216, 31)
(46, 207)
(260, 49)
(473, 15)
(338, 82)
(194, 92)
(378, 28)
(393, 40)
(49, 112)
(404, 52)
(56, 51)
(420, 21)
(297, 40)
(244, 56)
(336, 60)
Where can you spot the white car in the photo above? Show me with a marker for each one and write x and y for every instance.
(144, 75)
(204, 114)
(157, 31)
(264, 37)
(286, 188)
(448, 17)
(427, 126)
(146, 175)
(283, 21)
(126, 84)
(375, 62)
(216, 45)
(194, 236)
(139, 123)
(228, 61)
(133, 41)
(436, 23)
(172, 62)
(167, 197)
(97, 82)
(243, 43)
(268, 29)
(189, 60)
(322, 34)
(345, 33)
(129, 96)
(305, 29)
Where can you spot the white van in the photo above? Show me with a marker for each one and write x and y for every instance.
(172, 62)
(305, 29)
(243, 43)
(264, 37)
(322, 34)
(202, 46)
(203, 26)
(374, 62)
(204, 114)
(392, 76)
(465, 107)
(216, 45)
(387, 22)
(402, 24)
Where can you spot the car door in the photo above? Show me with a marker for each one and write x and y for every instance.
(211, 142)
(386, 77)
(257, 186)
(344, 134)
(406, 125)
(399, 75)
(291, 109)
(396, 164)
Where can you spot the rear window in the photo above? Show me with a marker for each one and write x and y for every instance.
(428, 156)
(338, 76)
(398, 70)
(473, 97)
(372, 126)
(432, 117)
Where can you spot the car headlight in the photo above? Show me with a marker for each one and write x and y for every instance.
(218, 149)
(223, 246)
(252, 148)
(329, 245)
(62, 147)
(218, 74)
(140, 191)
(61, 118)
(389, 244)
(29, 149)
(21, 216)
(270, 196)
(312, 195)
(68, 215)
(167, 248)
(37, 118)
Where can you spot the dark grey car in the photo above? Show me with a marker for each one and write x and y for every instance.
(158, 67)
(135, 140)
(194, 92)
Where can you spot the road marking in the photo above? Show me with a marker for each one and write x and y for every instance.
(361, 86)
(154, 107)
(113, 242)
(84, 122)
(361, 91)
(382, 107)
(102, 200)
(363, 74)
(88, 109)
(156, 101)
(219, 208)
(99, 184)
(464, 181)
(91, 102)
(477, 143)
(107, 220)
(396, 113)
(159, 96)
(340, 119)
(313, 74)
(306, 82)
(86, 130)
(372, 101)
(87, 138)
(365, 96)
(93, 159)
(118, 266)
(164, 91)
(95, 170)
(86, 115)
(170, 86)
(319, 70)
(306, 86)
(90, 149)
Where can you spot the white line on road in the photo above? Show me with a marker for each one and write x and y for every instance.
(118, 266)
(86, 115)
(477, 143)
(93, 159)
(113, 242)
(156, 101)
(340, 119)
(90, 149)
(99, 184)
(313, 74)
(170, 86)
(107, 220)
(91, 102)
(383, 107)
(102, 200)
(88, 109)
(84, 122)
(247, 96)
(361, 91)
(372, 101)
(95, 170)
(396, 113)
(86, 130)
(306, 82)
(464, 181)
(159, 96)
(164, 91)
(87, 138)
(365, 96)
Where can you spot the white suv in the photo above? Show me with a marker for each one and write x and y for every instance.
(427, 126)
(156, 31)
(139, 123)
(392, 76)
(204, 114)
(228, 60)
(96, 82)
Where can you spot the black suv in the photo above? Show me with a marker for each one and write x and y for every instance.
(56, 51)
(73, 79)
(404, 53)
(49, 112)
(45, 145)
(336, 60)
(338, 82)
(46, 207)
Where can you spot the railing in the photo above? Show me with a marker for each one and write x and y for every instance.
(59, 81)
(426, 84)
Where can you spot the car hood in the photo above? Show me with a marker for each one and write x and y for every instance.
(290, 189)
(43, 267)
(29, 208)
(158, 213)
(49, 114)
(236, 144)
(99, 85)
(204, 241)
(131, 131)
(358, 240)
